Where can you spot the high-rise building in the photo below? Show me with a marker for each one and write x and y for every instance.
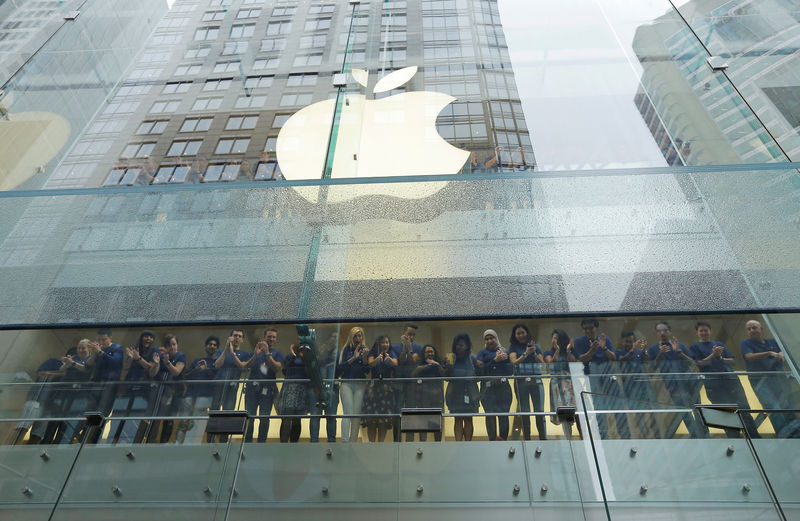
(191, 174)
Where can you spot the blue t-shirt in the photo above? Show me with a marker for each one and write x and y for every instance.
(138, 373)
(195, 373)
(384, 368)
(229, 369)
(163, 374)
(765, 364)
(294, 368)
(701, 350)
(634, 363)
(492, 367)
(108, 364)
(671, 361)
(560, 365)
(599, 363)
(396, 349)
(355, 370)
(256, 372)
(529, 365)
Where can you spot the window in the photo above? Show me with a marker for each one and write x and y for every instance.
(220, 84)
(393, 20)
(222, 172)
(164, 106)
(207, 104)
(213, 16)
(200, 52)
(283, 11)
(232, 146)
(133, 90)
(243, 30)
(305, 80)
(254, 82)
(241, 123)
(121, 108)
(138, 150)
(106, 127)
(144, 73)
(273, 44)
(184, 70)
(321, 9)
(176, 87)
(275, 28)
(267, 171)
(226, 67)
(196, 124)
(248, 13)
(123, 176)
(288, 100)
(307, 42)
(397, 54)
(307, 59)
(234, 48)
(246, 102)
(166, 39)
(171, 174)
(154, 56)
(206, 33)
(319, 24)
(279, 120)
(152, 127)
(266, 63)
(220, 3)
(269, 146)
(185, 148)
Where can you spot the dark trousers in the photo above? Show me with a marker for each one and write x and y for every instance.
(259, 396)
(531, 388)
(496, 397)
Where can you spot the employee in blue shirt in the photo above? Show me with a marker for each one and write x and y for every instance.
(496, 396)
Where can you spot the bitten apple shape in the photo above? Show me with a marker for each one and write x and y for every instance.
(393, 136)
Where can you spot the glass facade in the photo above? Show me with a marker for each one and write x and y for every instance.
(193, 167)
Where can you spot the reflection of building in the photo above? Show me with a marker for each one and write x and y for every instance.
(683, 101)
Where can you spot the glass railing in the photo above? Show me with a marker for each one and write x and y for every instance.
(371, 409)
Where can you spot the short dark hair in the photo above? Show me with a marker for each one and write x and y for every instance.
(702, 324)
(104, 331)
(270, 329)
(663, 322)
(462, 337)
(590, 320)
(409, 325)
(212, 337)
(626, 334)
(234, 330)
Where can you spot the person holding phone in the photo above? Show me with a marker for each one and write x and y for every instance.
(526, 359)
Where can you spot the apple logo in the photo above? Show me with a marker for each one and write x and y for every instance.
(392, 136)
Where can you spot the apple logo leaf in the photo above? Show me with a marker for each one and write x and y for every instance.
(361, 76)
(395, 79)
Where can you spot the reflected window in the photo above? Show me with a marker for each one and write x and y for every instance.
(234, 48)
(273, 44)
(253, 82)
(243, 30)
(222, 172)
(267, 171)
(269, 146)
(248, 13)
(152, 127)
(106, 127)
(279, 120)
(199, 52)
(207, 104)
(307, 59)
(165, 39)
(305, 80)
(185, 148)
(133, 90)
(241, 123)
(288, 100)
(144, 73)
(321, 9)
(219, 84)
(232, 146)
(206, 33)
(213, 16)
(125, 177)
(246, 102)
(171, 174)
(121, 108)
(232, 66)
(220, 3)
(266, 63)
(398, 20)
(196, 124)
(164, 106)
(320, 24)
(284, 11)
(275, 28)
(184, 70)
(137, 150)
(308, 42)
(176, 87)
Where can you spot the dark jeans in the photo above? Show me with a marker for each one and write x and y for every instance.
(259, 396)
(332, 398)
(531, 388)
(685, 393)
(729, 391)
(496, 397)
